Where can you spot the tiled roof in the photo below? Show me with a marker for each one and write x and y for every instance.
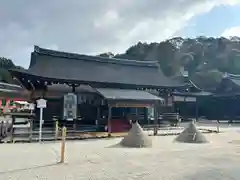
(82, 68)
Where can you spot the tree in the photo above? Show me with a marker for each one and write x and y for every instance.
(5, 65)
(200, 56)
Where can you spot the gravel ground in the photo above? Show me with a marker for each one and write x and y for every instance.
(98, 159)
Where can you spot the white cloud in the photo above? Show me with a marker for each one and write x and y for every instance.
(233, 31)
(92, 26)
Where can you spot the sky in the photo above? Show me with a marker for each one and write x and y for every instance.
(96, 26)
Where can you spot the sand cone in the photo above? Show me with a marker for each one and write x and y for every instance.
(136, 138)
(191, 135)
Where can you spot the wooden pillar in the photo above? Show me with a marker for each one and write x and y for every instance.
(196, 110)
(146, 118)
(98, 117)
(74, 120)
(185, 116)
(155, 132)
(31, 129)
(63, 144)
(137, 114)
(44, 93)
(166, 98)
(109, 120)
(216, 112)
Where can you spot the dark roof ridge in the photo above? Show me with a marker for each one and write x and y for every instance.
(75, 56)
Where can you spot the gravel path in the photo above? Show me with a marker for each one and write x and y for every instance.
(97, 160)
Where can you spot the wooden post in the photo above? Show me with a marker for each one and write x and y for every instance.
(74, 124)
(56, 129)
(30, 130)
(155, 131)
(64, 132)
(109, 120)
(137, 115)
(12, 130)
(196, 110)
(166, 98)
(218, 126)
(148, 117)
(98, 118)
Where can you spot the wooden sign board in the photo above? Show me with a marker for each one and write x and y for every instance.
(70, 106)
